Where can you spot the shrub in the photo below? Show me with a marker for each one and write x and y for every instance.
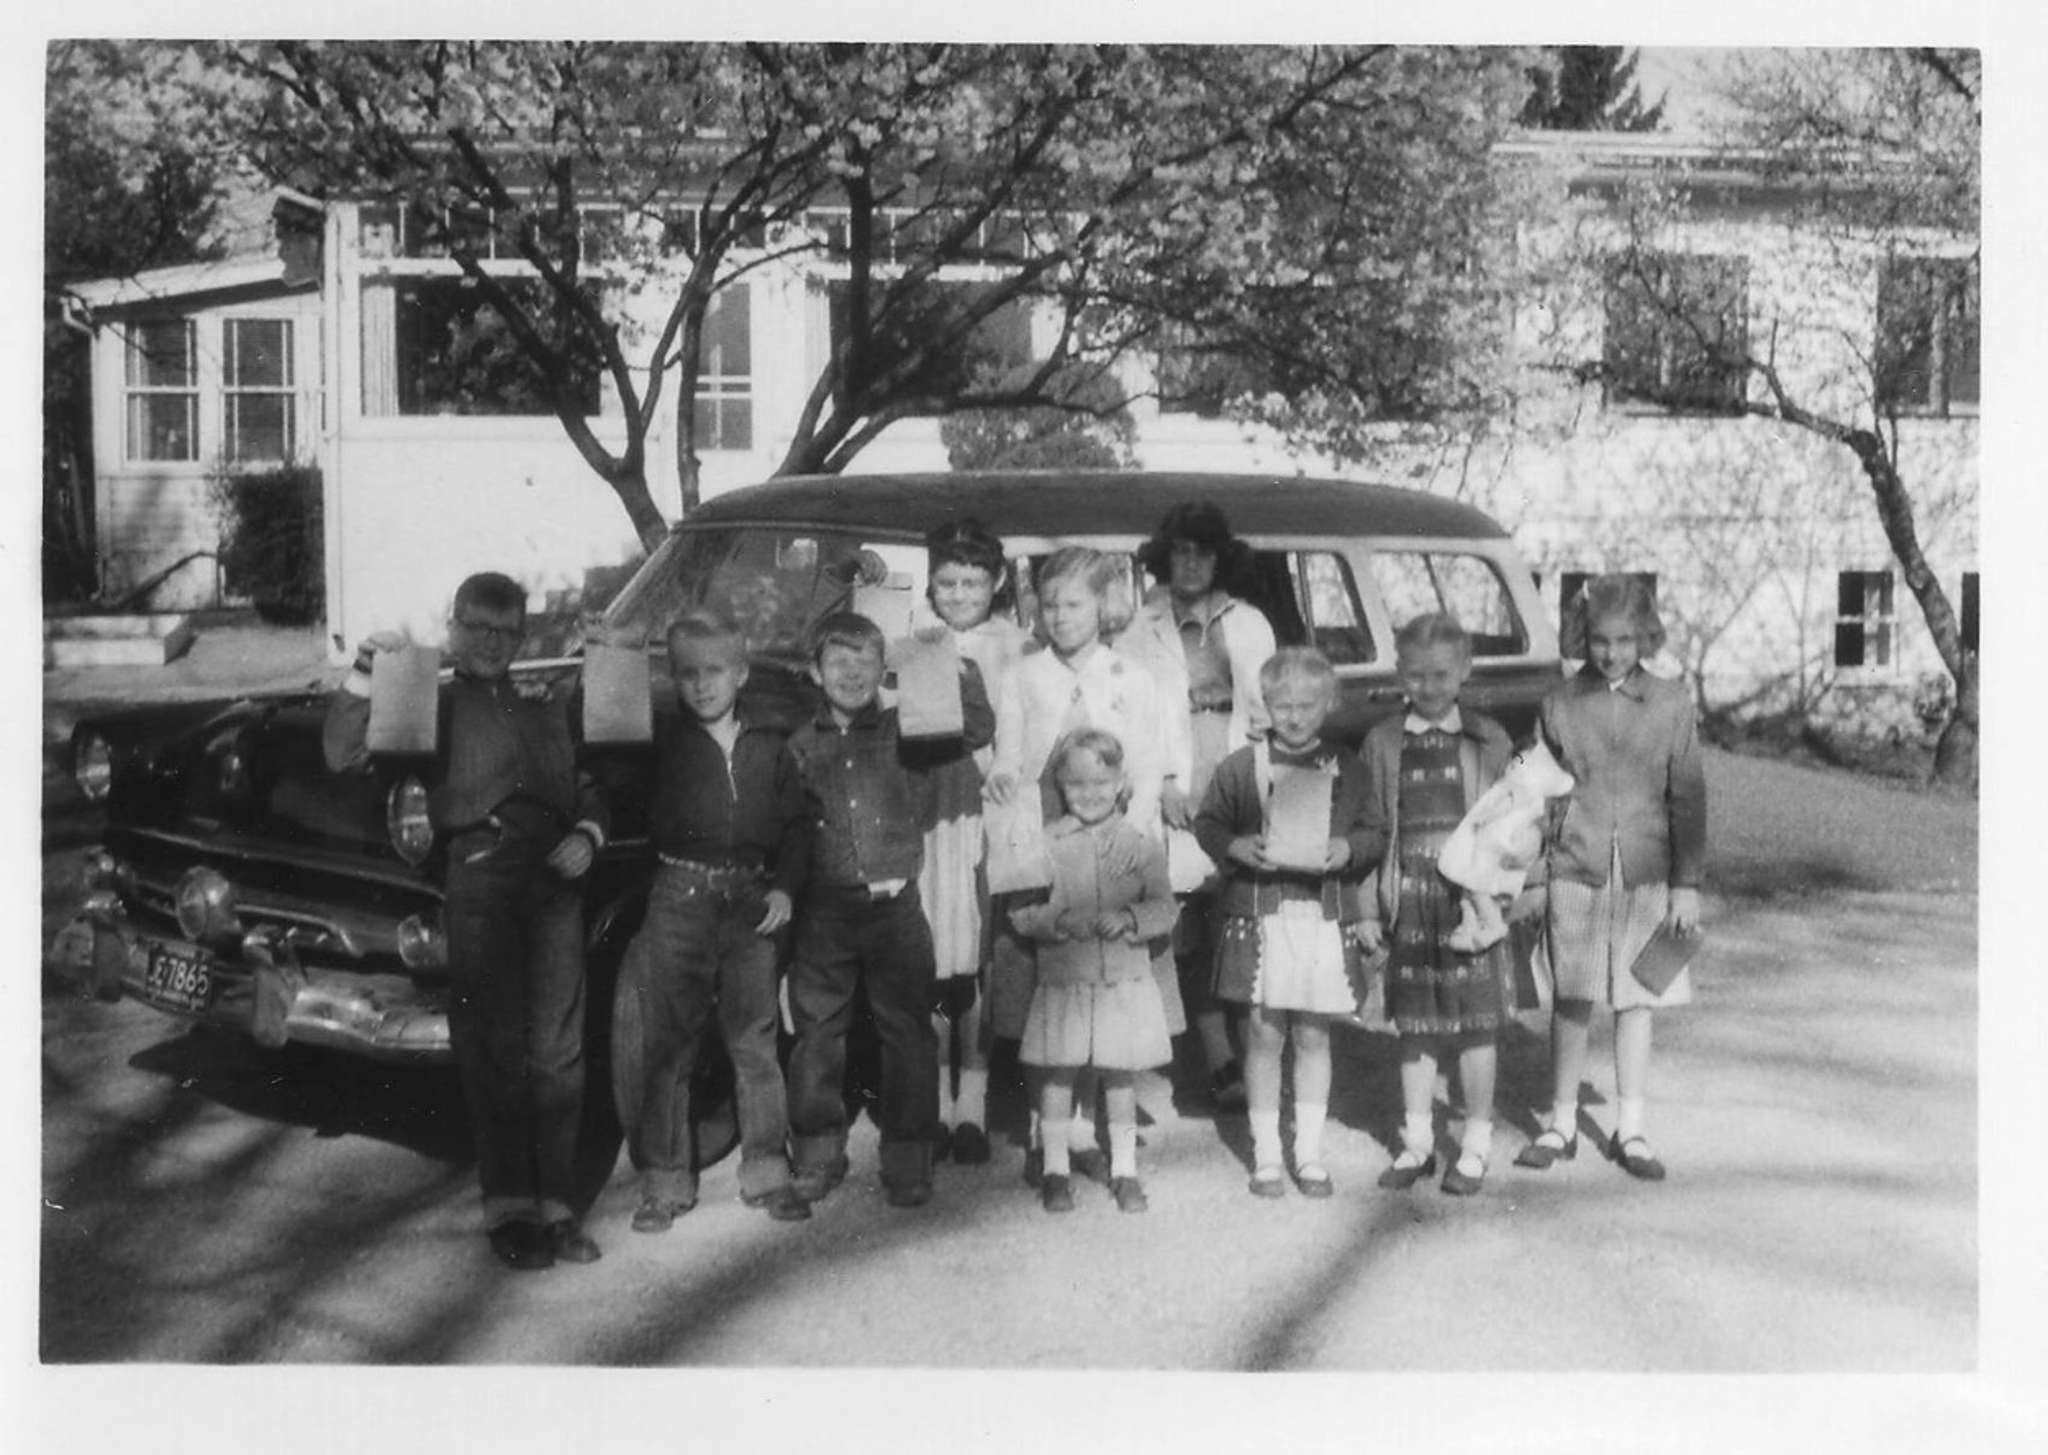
(271, 548)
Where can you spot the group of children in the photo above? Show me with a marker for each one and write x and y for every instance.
(1011, 881)
(1013, 884)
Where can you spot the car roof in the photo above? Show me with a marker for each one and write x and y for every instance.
(1054, 503)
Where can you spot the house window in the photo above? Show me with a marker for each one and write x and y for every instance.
(435, 346)
(1677, 332)
(163, 390)
(1968, 625)
(1865, 628)
(1926, 356)
(1571, 585)
(1468, 587)
(256, 384)
(725, 385)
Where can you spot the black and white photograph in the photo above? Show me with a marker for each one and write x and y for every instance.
(814, 730)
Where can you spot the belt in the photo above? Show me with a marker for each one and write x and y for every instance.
(717, 878)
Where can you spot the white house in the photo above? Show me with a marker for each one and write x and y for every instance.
(1770, 563)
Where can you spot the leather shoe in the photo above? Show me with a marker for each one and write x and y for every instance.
(658, 1214)
(1642, 1163)
(815, 1184)
(1129, 1193)
(1226, 1087)
(522, 1244)
(1314, 1180)
(1056, 1193)
(1402, 1175)
(780, 1203)
(1550, 1146)
(1460, 1183)
(1034, 1166)
(1268, 1182)
(909, 1194)
(570, 1244)
(970, 1145)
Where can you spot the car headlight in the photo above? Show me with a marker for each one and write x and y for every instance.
(421, 945)
(405, 819)
(206, 905)
(93, 766)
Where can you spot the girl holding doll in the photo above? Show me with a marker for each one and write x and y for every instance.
(1077, 681)
(1625, 860)
(1427, 766)
(1096, 1003)
(1282, 951)
(965, 588)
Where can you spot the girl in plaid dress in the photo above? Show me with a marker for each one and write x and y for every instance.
(1426, 767)
(1625, 857)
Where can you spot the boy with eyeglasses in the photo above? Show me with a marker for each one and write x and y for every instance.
(521, 826)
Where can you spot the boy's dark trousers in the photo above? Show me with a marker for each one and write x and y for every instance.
(845, 938)
(515, 965)
(696, 953)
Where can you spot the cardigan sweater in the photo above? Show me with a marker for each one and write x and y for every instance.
(1234, 805)
(1108, 866)
(1635, 752)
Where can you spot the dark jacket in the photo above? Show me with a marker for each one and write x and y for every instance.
(755, 815)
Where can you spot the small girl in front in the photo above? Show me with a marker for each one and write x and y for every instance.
(1097, 1000)
(1626, 857)
(1078, 681)
(1428, 765)
(1282, 951)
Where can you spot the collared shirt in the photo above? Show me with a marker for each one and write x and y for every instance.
(741, 803)
(1452, 722)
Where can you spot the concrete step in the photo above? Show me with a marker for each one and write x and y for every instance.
(140, 639)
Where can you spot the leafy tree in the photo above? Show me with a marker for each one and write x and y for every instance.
(1091, 429)
(1885, 146)
(1588, 88)
(1319, 212)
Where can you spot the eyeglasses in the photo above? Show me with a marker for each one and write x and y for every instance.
(510, 634)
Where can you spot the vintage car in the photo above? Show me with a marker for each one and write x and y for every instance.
(242, 883)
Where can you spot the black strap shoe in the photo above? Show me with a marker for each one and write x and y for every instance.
(522, 1244)
(570, 1244)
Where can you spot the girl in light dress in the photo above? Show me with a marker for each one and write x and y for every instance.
(1282, 951)
(1076, 681)
(1096, 1005)
(965, 588)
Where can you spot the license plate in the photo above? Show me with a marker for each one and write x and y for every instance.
(178, 979)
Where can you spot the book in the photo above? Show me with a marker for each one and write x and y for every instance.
(1666, 954)
(928, 688)
(618, 700)
(405, 701)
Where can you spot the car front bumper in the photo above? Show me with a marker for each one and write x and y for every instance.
(262, 989)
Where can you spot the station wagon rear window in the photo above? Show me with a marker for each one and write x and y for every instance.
(1469, 587)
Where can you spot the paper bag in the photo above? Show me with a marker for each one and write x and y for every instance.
(887, 605)
(1016, 844)
(1664, 957)
(1298, 819)
(618, 703)
(405, 700)
(928, 688)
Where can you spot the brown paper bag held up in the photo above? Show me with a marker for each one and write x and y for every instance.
(928, 688)
(1298, 819)
(618, 702)
(405, 700)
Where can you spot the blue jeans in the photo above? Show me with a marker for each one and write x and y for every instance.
(696, 952)
(515, 964)
(845, 940)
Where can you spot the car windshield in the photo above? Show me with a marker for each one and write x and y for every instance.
(775, 583)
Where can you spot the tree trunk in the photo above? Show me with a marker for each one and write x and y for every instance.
(1955, 754)
(630, 486)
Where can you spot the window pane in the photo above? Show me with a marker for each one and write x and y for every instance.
(1677, 330)
(1416, 583)
(1848, 644)
(728, 332)
(160, 354)
(259, 427)
(163, 427)
(259, 353)
(1329, 606)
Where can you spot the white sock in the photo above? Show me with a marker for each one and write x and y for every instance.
(1630, 1117)
(1418, 1135)
(1308, 1132)
(1034, 1132)
(1056, 1158)
(1564, 1119)
(1477, 1140)
(1123, 1149)
(1266, 1138)
(1081, 1131)
(971, 1105)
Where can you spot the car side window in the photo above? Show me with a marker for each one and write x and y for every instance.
(1468, 586)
